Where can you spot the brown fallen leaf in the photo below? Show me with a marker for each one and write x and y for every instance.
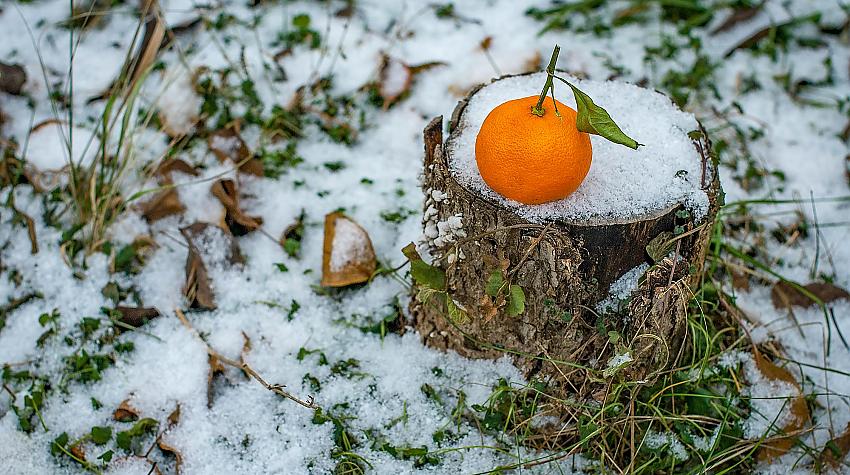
(125, 412)
(740, 280)
(169, 449)
(19, 216)
(165, 169)
(227, 145)
(163, 204)
(395, 78)
(78, 451)
(785, 295)
(216, 371)
(237, 221)
(174, 417)
(739, 15)
(779, 445)
(12, 78)
(347, 254)
(834, 453)
(135, 316)
(198, 288)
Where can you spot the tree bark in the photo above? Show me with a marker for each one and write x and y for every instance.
(565, 269)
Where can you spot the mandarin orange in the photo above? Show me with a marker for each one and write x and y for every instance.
(532, 159)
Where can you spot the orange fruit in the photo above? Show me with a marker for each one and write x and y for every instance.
(532, 159)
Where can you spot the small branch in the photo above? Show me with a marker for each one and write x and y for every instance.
(550, 72)
(278, 389)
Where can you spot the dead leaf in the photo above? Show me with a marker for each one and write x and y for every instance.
(29, 222)
(125, 412)
(835, 451)
(216, 371)
(174, 417)
(165, 169)
(347, 255)
(169, 449)
(737, 16)
(163, 204)
(785, 295)
(227, 145)
(395, 78)
(486, 43)
(198, 288)
(12, 78)
(532, 64)
(237, 222)
(740, 280)
(779, 445)
(78, 451)
(136, 316)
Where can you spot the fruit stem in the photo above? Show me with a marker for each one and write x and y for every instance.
(537, 109)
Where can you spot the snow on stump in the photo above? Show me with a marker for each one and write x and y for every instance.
(581, 289)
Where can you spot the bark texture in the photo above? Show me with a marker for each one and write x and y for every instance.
(565, 269)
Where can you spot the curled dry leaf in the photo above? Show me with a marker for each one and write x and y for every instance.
(216, 371)
(781, 444)
(174, 417)
(785, 295)
(163, 204)
(125, 412)
(169, 449)
(347, 255)
(165, 169)
(236, 221)
(198, 288)
(227, 145)
(135, 316)
(395, 78)
(12, 78)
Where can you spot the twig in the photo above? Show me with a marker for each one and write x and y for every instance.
(278, 389)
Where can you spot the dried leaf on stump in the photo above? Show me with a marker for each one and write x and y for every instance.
(347, 255)
(237, 221)
(198, 288)
(781, 444)
(136, 316)
(125, 412)
(785, 295)
(227, 145)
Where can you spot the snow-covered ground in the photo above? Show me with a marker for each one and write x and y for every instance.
(309, 340)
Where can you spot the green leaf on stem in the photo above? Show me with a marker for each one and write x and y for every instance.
(593, 119)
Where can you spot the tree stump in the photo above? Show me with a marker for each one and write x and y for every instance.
(565, 268)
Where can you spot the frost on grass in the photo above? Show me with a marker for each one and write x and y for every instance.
(666, 440)
(622, 184)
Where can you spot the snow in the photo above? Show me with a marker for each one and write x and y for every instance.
(250, 430)
(622, 288)
(623, 184)
(658, 440)
(48, 146)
